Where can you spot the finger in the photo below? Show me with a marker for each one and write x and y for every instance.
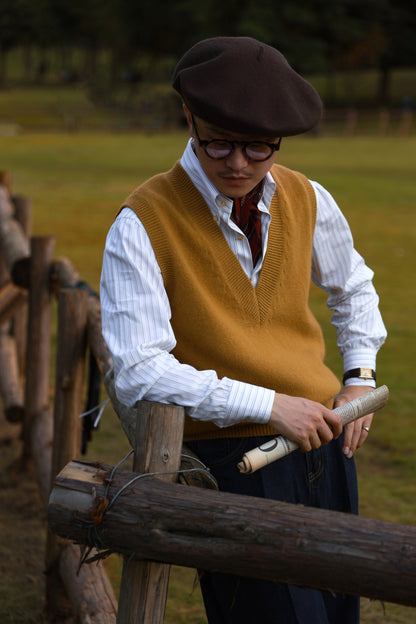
(315, 438)
(305, 445)
(365, 429)
(356, 435)
(362, 437)
(335, 424)
(348, 431)
(311, 440)
(359, 435)
(327, 433)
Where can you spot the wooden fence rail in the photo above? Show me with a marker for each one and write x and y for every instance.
(30, 279)
(278, 541)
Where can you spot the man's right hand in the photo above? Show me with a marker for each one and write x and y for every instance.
(305, 422)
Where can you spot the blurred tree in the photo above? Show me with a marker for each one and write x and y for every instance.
(395, 26)
(77, 24)
(10, 34)
(316, 35)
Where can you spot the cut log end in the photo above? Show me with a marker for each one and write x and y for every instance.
(20, 272)
(14, 413)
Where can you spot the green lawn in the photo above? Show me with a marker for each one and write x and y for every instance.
(77, 181)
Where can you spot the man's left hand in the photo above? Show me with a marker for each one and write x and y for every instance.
(355, 433)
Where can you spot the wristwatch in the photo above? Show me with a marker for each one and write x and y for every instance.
(360, 373)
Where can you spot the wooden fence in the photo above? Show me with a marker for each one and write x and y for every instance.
(209, 529)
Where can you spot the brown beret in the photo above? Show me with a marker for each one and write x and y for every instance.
(245, 86)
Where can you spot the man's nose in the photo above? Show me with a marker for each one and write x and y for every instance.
(237, 160)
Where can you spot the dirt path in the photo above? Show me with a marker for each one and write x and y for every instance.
(22, 536)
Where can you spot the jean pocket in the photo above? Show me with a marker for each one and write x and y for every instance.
(316, 464)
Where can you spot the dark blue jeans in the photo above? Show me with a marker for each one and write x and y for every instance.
(323, 478)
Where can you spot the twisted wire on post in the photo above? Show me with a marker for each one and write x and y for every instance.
(104, 504)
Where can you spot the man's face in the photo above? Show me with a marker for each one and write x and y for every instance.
(234, 175)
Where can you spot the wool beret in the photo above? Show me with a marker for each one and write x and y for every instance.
(246, 86)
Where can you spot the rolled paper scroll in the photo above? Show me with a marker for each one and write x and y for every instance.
(279, 447)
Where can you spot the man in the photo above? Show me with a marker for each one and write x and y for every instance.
(205, 288)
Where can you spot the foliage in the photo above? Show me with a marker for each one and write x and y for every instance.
(316, 36)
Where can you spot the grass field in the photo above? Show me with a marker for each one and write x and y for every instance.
(77, 181)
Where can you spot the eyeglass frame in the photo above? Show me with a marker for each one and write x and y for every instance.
(202, 143)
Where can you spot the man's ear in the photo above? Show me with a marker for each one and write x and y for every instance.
(188, 119)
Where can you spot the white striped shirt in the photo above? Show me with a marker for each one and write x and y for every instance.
(136, 311)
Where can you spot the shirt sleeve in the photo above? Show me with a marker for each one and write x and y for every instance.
(339, 269)
(136, 326)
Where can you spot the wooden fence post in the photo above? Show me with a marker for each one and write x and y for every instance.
(30, 268)
(38, 418)
(70, 367)
(69, 380)
(13, 305)
(23, 215)
(11, 390)
(88, 589)
(144, 584)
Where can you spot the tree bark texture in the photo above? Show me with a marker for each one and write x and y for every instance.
(144, 584)
(13, 241)
(38, 336)
(90, 594)
(11, 390)
(70, 370)
(235, 534)
(12, 299)
(89, 589)
(23, 215)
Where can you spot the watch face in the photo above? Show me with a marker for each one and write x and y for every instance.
(366, 373)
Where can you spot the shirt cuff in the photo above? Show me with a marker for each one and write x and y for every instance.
(358, 359)
(249, 403)
(356, 381)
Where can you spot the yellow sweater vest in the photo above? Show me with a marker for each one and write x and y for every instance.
(265, 336)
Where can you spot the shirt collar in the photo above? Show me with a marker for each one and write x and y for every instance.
(210, 193)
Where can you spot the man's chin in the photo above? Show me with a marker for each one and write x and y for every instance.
(233, 187)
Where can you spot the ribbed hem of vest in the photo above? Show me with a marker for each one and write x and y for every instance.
(208, 431)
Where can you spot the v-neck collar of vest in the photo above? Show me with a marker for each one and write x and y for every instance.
(257, 299)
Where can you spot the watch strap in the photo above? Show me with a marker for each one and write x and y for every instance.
(360, 373)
